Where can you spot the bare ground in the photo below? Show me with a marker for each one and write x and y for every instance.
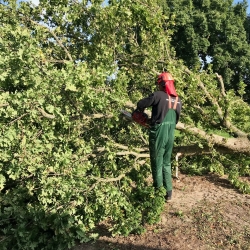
(206, 213)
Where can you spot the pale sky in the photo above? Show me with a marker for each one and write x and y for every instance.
(235, 1)
(248, 1)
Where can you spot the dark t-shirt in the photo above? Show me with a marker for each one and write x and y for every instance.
(159, 101)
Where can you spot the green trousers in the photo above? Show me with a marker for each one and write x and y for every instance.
(161, 141)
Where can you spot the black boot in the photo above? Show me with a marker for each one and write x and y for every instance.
(168, 196)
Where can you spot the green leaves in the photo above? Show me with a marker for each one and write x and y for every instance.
(71, 87)
(212, 33)
(68, 160)
(2, 181)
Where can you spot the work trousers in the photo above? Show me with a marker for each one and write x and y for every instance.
(161, 141)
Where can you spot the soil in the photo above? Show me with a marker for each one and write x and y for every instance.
(206, 212)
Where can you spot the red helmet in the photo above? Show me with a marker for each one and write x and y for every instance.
(163, 77)
(167, 82)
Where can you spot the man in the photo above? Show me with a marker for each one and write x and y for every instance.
(166, 108)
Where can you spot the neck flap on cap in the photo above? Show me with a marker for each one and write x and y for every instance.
(169, 88)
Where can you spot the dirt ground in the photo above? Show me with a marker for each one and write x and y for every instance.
(206, 213)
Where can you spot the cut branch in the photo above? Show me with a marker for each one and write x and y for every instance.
(220, 143)
(96, 116)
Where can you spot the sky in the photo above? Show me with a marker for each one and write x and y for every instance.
(235, 1)
(248, 1)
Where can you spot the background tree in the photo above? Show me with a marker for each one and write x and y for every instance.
(68, 160)
(212, 35)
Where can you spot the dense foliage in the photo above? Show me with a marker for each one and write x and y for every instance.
(212, 34)
(68, 160)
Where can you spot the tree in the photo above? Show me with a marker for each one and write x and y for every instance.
(212, 34)
(68, 160)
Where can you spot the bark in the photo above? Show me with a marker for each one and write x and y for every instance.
(219, 143)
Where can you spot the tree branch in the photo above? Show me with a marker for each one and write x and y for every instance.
(96, 116)
(221, 84)
(105, 180)
(53, 34)
(4, 105)
(137, 155)
(223, 116)
(45, 114)
(19, 118)
(222, 144)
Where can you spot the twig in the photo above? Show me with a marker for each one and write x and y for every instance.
(59, 42)
(38, 134)
(99, 180)
(19, 118)
(137, 155)
(53, 34)
(4, 105)
(5, 238)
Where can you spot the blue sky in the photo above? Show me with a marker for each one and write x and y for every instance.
(248, 1)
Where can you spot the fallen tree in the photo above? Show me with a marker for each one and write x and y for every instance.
(68, 161)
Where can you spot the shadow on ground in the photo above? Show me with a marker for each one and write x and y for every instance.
(206, 213)
(106, 245)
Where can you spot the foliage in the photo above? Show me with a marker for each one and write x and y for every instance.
(212, 34)
(68, 160)
(60, 175)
